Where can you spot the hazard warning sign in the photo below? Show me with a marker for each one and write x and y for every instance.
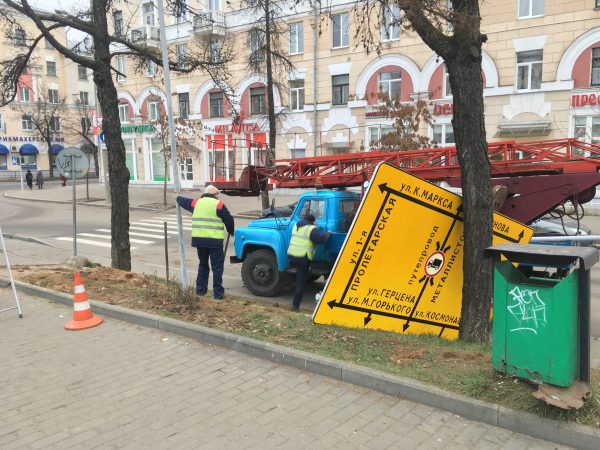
(401, 266)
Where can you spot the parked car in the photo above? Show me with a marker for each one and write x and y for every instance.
(550, 226)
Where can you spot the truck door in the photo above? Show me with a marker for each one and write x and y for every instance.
(316, 207)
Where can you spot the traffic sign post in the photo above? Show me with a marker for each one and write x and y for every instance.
(73, 163)
(401, 266)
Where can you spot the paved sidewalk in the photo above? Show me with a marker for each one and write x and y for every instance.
(141, 196)
(125, 386)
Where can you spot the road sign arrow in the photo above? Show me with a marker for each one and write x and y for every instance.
(367, 319)
(383, 187)
(331, 304)
(521, 234)
(405, 326)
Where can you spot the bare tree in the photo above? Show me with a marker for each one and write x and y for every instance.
(107, 40)
(46, 114)
(452, 30)
(82, 124)
(268, 42)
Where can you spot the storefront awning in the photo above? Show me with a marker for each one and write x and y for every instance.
(524, 128)
(4, 149)
(28, 149)
(55, 148)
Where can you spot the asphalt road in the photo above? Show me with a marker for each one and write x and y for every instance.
(52, 224)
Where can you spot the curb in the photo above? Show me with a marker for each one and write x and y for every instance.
(564, 433)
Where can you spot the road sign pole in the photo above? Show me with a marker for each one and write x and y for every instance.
(173, 143)
(21, 167)
(74, 206)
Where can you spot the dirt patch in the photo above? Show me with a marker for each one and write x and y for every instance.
(402, 354)
(454, 355)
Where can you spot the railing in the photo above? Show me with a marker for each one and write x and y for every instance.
(211, 21)
(144, 34)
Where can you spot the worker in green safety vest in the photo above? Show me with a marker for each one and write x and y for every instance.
(305, 237)
(211, 220)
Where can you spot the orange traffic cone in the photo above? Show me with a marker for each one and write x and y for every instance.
(82, 312)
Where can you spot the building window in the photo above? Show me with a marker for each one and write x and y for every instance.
(51, 68)
(86, 125)
(26, 161)
(216, 104)
(376, 134)
(595, 76)
(180, 9)
(121, 68)
(25, 71)
(531, 8)
(124, 112)
(19, 37)
(214, 51)
(148, 13)
(390, 23)
(53, 96)
(153, 112)
(340, 87)
(184, 105)
(296, 38)
(257, 45)
(118, 18)
(297, 153)
(182, 55)
(587, 128)
(258, 101)
(82, 72)
(48, 45)
(449, 24)
(84, 98)
(443, 135)
(447, 89)
(296, 95)
(529, 70)
(54, 123)
(151, 68)
(597, 3)
(340, 30)
(24, 94)
(26, 122)
(390, 84)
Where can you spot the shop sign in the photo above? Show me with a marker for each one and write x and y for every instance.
(30, 139)
(230, 128)
(376, 113)
(148, 128)
(585, 99)
(443, 109)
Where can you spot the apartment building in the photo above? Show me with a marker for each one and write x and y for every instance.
(541, 70)
(51, 86)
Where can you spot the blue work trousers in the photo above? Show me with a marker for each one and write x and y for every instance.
(301, 265)
(217, 259)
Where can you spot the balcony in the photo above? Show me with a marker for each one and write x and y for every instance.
(145, 35)
(211, 23)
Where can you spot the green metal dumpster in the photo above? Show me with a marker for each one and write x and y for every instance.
(541, 320)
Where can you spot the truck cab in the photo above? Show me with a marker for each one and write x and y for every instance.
(262, 246)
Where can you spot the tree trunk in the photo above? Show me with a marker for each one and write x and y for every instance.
(50, 161)
(111, 126)
(96, 166)
(469, 131)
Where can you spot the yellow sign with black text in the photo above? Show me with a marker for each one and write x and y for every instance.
(401, 266)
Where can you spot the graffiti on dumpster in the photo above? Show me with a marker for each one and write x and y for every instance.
(401, 266)
(528, 309)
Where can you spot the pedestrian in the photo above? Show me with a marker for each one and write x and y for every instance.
(210, 221)
(63, 180)
(29, 179)
(305, 237)
(39, 179)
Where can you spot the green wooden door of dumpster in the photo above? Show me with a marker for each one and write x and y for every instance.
(535, 326)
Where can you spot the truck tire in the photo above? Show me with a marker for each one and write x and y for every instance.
(261, 275)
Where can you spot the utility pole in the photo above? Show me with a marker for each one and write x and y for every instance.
(173, 142)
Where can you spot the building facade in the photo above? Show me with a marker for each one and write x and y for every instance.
(541, 72)
(51, 89)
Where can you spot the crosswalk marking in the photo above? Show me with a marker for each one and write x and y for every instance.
(105, 236)
(87, 241)
(153, 230)
(160, 226)
(135, 233)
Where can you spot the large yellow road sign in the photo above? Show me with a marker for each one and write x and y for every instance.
(401, 266)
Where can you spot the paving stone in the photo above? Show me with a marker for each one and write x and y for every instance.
(124, 386)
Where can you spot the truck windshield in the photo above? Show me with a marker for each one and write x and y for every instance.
(314, 207)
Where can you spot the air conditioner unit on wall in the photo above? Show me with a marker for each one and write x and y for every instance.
(13, 149)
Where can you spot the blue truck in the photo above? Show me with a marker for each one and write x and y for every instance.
(262, 246)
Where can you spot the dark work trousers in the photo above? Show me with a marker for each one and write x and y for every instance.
(301, 265)
(217, 259)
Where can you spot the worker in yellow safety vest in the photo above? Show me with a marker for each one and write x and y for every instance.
(305, 237)
(210, 221)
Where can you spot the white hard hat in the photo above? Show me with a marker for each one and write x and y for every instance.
(212, 190)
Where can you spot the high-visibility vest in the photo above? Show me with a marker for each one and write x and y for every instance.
(205, 222)
(300, 244)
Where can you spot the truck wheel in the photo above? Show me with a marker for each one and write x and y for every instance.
(260, 273)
